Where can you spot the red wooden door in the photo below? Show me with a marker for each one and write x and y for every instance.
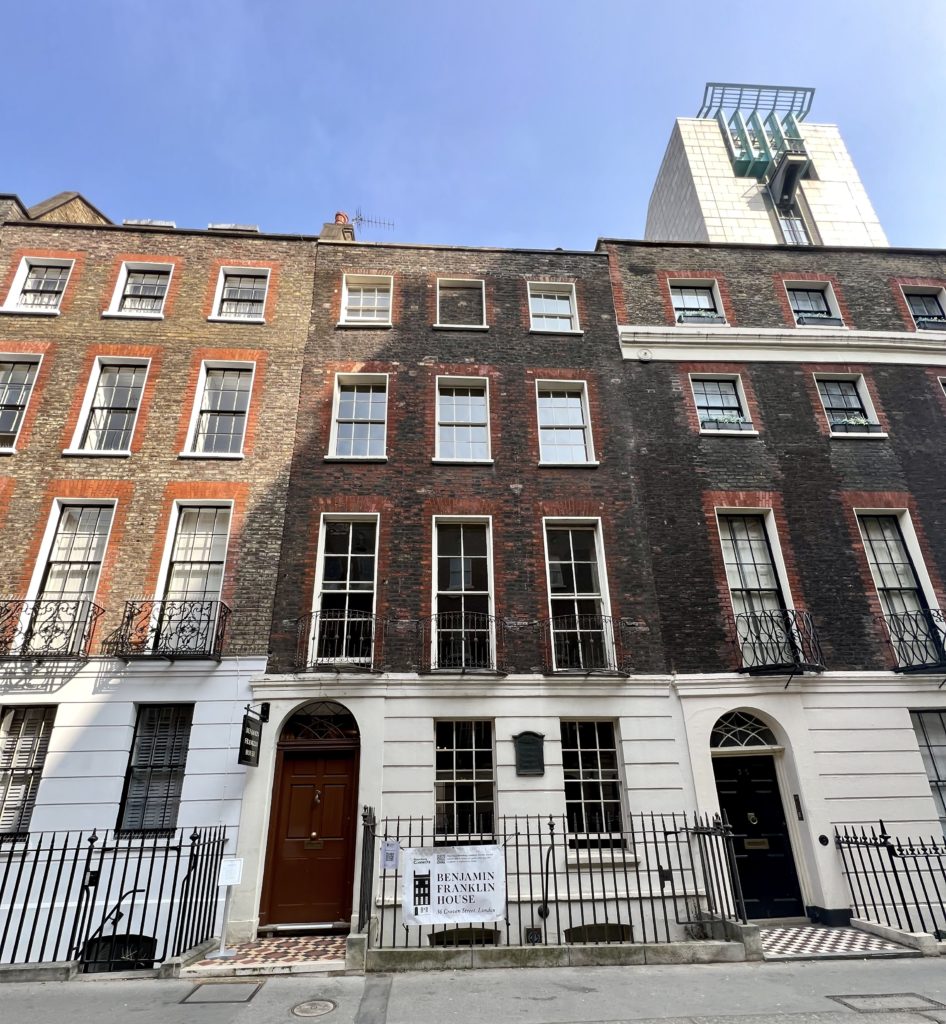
(312, 839)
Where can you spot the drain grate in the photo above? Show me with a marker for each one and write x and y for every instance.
(314, 1008)
(222, 992)
(885, 1002)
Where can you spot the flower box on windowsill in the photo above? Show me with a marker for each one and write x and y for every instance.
(931, 323)
(816, 320)
(856, 426)
(727, 423)
(700, 318)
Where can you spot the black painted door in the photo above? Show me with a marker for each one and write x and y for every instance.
(749, 794)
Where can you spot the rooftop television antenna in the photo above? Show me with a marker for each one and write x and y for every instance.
(360, 220)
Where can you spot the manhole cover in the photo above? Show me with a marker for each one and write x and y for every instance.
(314, 1008)
(881, 1002)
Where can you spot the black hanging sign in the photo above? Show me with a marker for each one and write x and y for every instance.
(251, 734)
(530, 753)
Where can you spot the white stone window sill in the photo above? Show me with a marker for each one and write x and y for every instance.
(462, 462)
(7, 451)
(117, 453)
(119, 314)
(355, 458)
(589, 858)
(365, 323)
(236, 319)
(28, 311)
(210, 455)
(729, 433)
(548, 330)
(700, 327)
(841, 436)
(460, 327)
(570, 465)
(820, 327)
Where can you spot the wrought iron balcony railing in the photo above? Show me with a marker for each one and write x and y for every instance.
(781, 640)
(173, 629)
(918, 639)
(462, 642)
(338, 640)
(584, 644)
(45, 628)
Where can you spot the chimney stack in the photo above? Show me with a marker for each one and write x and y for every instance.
(340, 230)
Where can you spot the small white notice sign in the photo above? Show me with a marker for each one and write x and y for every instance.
(390, 854)
(453, 884)
(231, 871)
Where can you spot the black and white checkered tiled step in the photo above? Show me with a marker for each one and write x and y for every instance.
(780, 943)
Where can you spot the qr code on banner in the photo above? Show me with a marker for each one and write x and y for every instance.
(441, 858)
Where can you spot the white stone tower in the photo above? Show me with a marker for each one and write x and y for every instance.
(750, 168)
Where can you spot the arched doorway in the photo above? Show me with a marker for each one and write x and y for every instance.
(744, 750)
(310, 855)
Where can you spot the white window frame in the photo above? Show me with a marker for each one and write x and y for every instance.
(216, 364)
(235, 269)
(49, 534)
(576, 855)
(36, 358)
(940, 294)
(462, 282)
(734, 378)
(361, 281)
(358, 378)
(771, 533)
(454, 781)
(830, 300)
(561, 288)
(486, 521)
(913, 549)
(568, 385)
(11, 304)
(581, 522)
(178, 505)
(114, 309)
(863, 392)
(317, 592)
(100, 361)
(699, 282)
(448, 380)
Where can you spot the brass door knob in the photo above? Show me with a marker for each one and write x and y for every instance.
(314, 835)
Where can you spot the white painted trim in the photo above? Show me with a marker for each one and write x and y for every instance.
(463, 282)
(735, 378)
(173, 518)
(22, 357)
(358, 378)
(598, 526)
(449, 380)
(783, 345)
(918, 289)
(361, 281)
(771, 532)
(913, 548)
(49, 533)
(344, 517)
(472, 520)
(698, 282)
(10, 305)
(831, 300)
(863, 392)
(215, 315)
(216, 364)
(81, 423)
(122, 279)
(580, 386)
(561, 288)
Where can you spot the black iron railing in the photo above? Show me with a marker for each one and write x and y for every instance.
(780, 640)
(900, 883)
(46, 628)
(111, 900)
(174, 629)
(461, 641)
(663, 878)
(918, 639)
(585, 644)
(338, 640)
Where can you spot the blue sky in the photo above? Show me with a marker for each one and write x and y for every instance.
(499, 122)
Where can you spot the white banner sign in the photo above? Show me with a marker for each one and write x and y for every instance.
(453, 884)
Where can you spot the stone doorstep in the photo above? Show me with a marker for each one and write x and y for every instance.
(263, 968)
(924, 943)
(703, 952)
